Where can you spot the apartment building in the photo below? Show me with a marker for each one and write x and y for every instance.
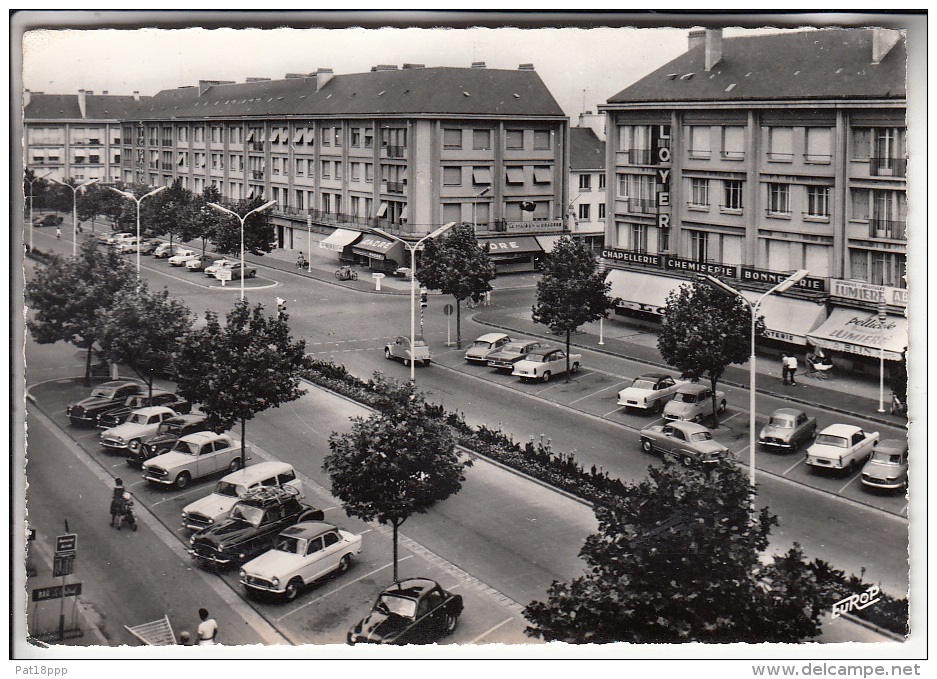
(586, 215)
(749, 158)
(403, 149)
(75, 135)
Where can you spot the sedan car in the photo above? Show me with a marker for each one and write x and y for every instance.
(505, 357)
(169, 432)
(686, 441)
(694, 402)
(787, 430)
(400, 349)
(888, 466)
(141, 425)
(544, 363)
(165, 250)
(649, 392)
(182, 257)
(302, 554)
(48, 220)
(127, 245)
(148, 247)
(158, 397)
(413, 611)
(217, 265)
(485, 346)
(201, 262)
(236, 269)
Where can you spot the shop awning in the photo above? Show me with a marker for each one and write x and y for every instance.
(376, 247)
(642, 292)
(547, 243)
(857, 332)
(787, 319)
(339, 239)
(512, 246)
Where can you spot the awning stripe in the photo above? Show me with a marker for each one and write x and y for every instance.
(858, 332)
(516, 245)
(339, 239)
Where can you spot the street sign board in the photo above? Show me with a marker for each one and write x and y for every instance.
(63, 565)
(55, 592)
(223, 274)
(66, 543)
(448, 309)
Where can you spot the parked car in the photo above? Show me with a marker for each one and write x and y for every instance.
(649, 392)
(140, 425)
(400, 349)
(127, 245)
(236, 269)
(693, 402)
(201, 262)
(301, 555)
(686, 441)
(841, 446)
(218, 265)
(48, 220)
(888, 466)
(148, 246)
(544, 363)
(485, 346)
(182, 256)
(787, 429)
(251, 527)
(403, 272)
(505, 357)
(208, 510)
(159, 397)
(194, 456)
(169, 432)
(103, 399)
(165, 250)
(413, 611)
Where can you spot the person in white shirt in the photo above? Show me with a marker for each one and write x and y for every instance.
(207, 629)
(791, 367)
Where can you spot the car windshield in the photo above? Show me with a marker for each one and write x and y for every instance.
(229, 489)
(103, 392)
(835, 441)
(481, 345)
(643, 384)
(138, 418)
(701, 436)
(685, 398)
(290, 545)
(248, 513)
(886, 458)
(781, 422)
(397, 605)
(186, 447)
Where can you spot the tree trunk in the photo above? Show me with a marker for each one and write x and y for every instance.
(150, 385)
(567, 355)
(243, 445)
(458, 323)
(88, 368)
(712, 382)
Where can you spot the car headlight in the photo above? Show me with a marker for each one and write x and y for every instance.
(242, 573)
(275, 581)
(192, 541)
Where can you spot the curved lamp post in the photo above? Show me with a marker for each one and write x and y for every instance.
(34, 179)
(75, 190)
(242, 220)
(127, 194)
(413, 248)
(786, 284)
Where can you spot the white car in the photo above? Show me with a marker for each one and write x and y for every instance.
(119, 238)
(485, 345)
(211, 508)
(218, 266)
(182, 256)
(649, 392)
(128, 245)
(841, 446)
(544, 363)
(303, 553)
(192, 457)
(141, 425)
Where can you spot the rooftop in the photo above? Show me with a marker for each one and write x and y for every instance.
(65, 107)
(586, 150)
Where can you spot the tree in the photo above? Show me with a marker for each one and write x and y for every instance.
(68, 293)
(705, 330)
(96, 200)
(259, 233)
(165, 212)
(679, 558)
(571, 291)
(456, 265)
(142, 330)
(201, 220)
(242, 369)
(398, 462)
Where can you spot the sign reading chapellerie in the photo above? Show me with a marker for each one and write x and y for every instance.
(861, 291)
(629, 257)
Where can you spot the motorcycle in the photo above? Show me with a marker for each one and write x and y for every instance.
(302, 263)
(126, 514)
(346, 273)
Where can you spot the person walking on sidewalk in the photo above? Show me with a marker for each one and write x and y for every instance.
(784, 368)
(58, 233)
(117, 500)
(791, 367)
(207, 629)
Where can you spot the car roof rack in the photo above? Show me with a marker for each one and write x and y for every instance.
(270, 493)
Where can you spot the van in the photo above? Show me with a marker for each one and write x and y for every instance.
(209, 510)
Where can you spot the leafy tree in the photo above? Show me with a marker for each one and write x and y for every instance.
(679, 558)
(242, 369)
(704, 331)
(571, 291)
(201, 220)
(164, 213)
(457, 265)
(398, 462)
(259, 233)
(142, 330)
(68, 293)
(96, 200)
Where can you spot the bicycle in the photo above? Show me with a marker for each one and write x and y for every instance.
(346, 273)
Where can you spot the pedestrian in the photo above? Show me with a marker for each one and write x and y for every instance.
(58, 233)
(80, 230)
(791, 367)
(207, 629)
(185, 639)
(117, 500)
(784, 368)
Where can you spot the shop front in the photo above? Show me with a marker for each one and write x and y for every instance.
(513, 253)
(863, 333)
(341, 241)
(379, 254)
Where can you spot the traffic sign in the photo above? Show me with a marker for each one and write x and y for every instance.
(448, 309)
(55, 592)
(223, 274)
(67, 543)
(62, 565)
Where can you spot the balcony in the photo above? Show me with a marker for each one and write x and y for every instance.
(888, 167)
(884, 228)
(639, 156)
(257, 174)
(642, 205)
(396, 187)
(256, 146)
(396, 151)
(732, 155)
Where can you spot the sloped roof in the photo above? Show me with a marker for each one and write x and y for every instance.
(586, 150)
(819, 64)
(65, 107)
(442, 90)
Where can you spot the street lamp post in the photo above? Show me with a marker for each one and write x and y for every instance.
(127, 194)
(786, 284)
(602, 270)
(475, 205)
(34, 179)
(242, 220)
(413, 248)
(75, 190)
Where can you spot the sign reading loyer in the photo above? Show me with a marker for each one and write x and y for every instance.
(660, 142)
(856, 602)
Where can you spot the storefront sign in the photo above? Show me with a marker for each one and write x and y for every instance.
(629, 257)
(860, 291)
(691, 265)
(56, 591)
(660, 143)
(773, 278)
(642, 306)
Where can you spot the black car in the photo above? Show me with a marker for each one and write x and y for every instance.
(168, 433)
(159, 398)
(48, 220)
(148, 246)
(413, 611)
(251, 527)
(103, 399)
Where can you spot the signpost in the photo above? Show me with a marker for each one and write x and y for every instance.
(63, 563)
(55, 592)
(447, 309)
(882, 315)
(224, 275)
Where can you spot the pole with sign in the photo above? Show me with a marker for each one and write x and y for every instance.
(62, 565)
(882, 315)
(447, 309)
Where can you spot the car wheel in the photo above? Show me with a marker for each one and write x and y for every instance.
(235, 464)
(386, 352)
(406, 362)
(292, 589)
(658, 407)
(722, 406)
(546, 376)
(134, 445)
(344, 564)
(687, 461)
(647, 446)
(252, 274)
(450, 623)
(574, 368)
(183, 480)
(426, 362)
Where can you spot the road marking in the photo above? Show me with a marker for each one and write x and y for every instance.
(485, 634)
(848, 483)
(614, 386)
(613, 411)
(723, 421)
(789, 469)
(175, 495)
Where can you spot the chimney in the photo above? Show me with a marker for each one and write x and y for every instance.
(323, 76)
(384, 67)
(410, 67)
(478, 64)
(27, 95)
(525, 67)
(83, 103)
(256, 80)
(883, 39)
(713, 47)
(696, 38)
(136, 95)
(104, 92)
(294, 76)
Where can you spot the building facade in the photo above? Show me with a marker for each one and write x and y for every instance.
(586, 214)
(402, 149)
(749, 158)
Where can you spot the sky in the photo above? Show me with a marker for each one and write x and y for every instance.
(582, 67)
